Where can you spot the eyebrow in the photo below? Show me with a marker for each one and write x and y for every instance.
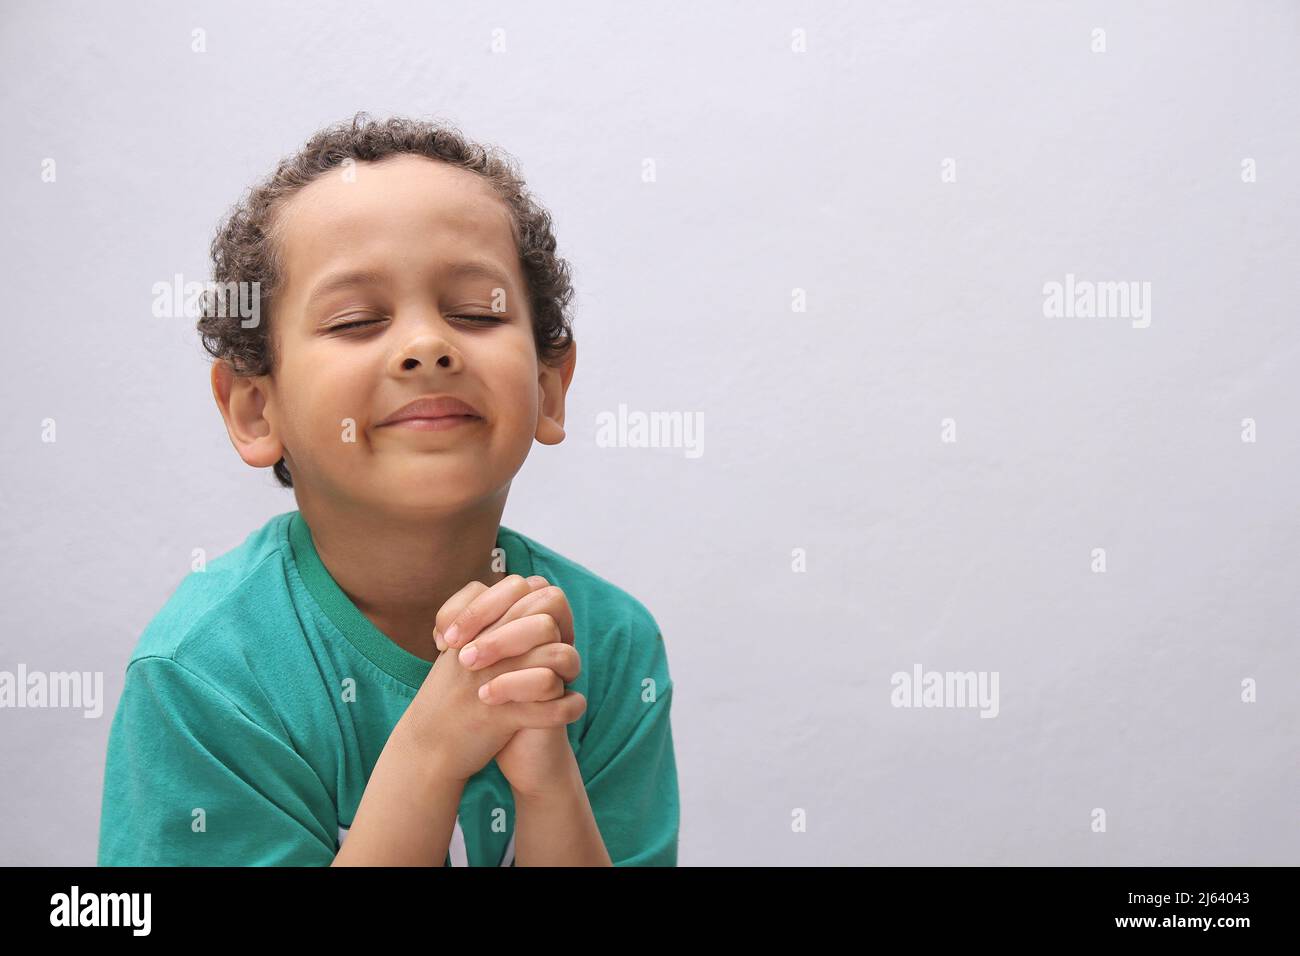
(470, 269)
(477, 269)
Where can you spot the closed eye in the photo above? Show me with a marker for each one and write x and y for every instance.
(480, 318)
(352, 325)
(470, 318)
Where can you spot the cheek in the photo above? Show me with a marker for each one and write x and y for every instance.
(512, 379)
(326, 394)
(523, 404)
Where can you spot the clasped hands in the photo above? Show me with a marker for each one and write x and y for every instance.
(512, 644)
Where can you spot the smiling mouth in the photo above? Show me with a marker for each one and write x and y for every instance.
(441, 423)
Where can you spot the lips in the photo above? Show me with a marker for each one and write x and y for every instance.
(432, 407)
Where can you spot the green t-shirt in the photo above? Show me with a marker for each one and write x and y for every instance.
(257, 702)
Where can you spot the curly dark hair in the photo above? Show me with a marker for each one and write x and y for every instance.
(244, 251)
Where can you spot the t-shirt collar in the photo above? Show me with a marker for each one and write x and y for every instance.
(371, 642)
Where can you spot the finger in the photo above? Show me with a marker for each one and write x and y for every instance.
(555, 602)
(453, 606)
(509, 640)
(530, 684)
(483, 610)
(544, 599)
(546, 713)
(460, 600)
(561, 658)
(457, 604)
(516, 645)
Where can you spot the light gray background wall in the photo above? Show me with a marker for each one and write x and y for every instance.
(776, 171)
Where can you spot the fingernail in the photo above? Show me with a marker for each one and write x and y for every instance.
(469, 654)
(437, 641)
(450, 636)
(484, 693)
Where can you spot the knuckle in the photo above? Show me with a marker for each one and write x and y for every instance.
(564, 660)
(556, 657)
(540, 626)
(450, 611)
(543, 597)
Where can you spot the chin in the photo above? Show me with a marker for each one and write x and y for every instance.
(431, 495)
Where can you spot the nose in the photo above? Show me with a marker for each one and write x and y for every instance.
(427, 347)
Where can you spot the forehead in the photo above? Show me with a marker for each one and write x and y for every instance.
(402, 213)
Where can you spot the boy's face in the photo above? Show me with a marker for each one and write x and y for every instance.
(406, 223)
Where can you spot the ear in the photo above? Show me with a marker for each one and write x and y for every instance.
(242, 400)
(552, 385)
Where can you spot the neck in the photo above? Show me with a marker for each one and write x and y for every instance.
(398, 570)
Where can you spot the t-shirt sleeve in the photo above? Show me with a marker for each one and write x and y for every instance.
(190, 780)
(627, 760)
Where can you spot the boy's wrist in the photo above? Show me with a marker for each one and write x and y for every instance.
(565, 784)
(437, 771)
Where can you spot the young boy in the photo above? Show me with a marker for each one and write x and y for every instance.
(388, 675)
